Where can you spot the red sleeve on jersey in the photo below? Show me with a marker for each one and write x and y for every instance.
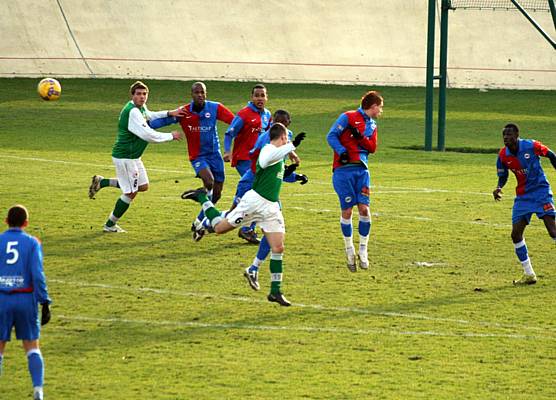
(224, 114)
(369, 142)
(190, 125)
(539, 148)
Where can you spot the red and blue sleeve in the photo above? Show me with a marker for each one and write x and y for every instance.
(540, 149)
(224, 114)
(333, 137)
(232, 131)
(369, 142)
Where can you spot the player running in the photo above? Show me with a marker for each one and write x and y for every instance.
(251, 273)
(260, 204)
(134, 134)
(203, 144)
(352, 137)
(244, 130)
(533, 192)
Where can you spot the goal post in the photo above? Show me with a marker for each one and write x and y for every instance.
(523, 6)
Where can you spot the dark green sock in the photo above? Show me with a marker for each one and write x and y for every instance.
(275, 272)
(203, 198)
(119, 209)
(109, 182)
(212, 213)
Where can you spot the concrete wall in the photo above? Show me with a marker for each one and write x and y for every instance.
(334, 41)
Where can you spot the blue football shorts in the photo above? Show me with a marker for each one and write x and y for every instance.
(351, 185)
(535, 203)
(243, 166)
(19, 310)
(244, 185)
(214, 163)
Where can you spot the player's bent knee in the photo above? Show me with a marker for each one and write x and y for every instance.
(223, 227)
(144, 188)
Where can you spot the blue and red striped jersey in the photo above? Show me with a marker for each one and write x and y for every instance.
(525, 165)
(340, 139)
(262, 140)
(21, 269)
(244, 131)
(200, 128)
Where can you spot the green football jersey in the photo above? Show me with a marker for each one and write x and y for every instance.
(128, 145)
(268, 181)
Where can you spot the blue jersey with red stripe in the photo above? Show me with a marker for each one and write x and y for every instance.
(21, 269)
(247, 179)
(200, 128)
(525, 165)
(244, 131)
(262, 140)
(341, 139)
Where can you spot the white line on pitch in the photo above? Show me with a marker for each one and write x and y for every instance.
(309, 329)
(186, 171)
(413, 217)
(312, 306)
(104, 166)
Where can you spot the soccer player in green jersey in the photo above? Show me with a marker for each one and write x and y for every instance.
(260, 204)
(134, 134)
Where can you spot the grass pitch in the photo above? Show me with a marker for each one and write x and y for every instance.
(151, 314)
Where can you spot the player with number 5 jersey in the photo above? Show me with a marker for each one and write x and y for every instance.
(22, 287)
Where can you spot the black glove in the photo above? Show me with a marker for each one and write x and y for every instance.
(289, 170)
(344, 158)
(298, 138)
(354, 132)
(302, 178)
(45, 313)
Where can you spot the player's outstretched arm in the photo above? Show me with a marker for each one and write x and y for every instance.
(161, 122)
(298, 139)
(552, 157)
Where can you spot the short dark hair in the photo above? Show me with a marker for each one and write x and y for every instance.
(17, 215)
(281, 114)
(511, 128)
(371, 98)
(258, 86)
(199, 84)
(138, 85)
(277, 130)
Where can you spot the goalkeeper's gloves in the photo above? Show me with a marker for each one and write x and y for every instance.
(45, 313)
(355, 132)
(289, 170)
(344, 158)
(298, 139)
(301, 178)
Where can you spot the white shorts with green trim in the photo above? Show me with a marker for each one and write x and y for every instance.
(131, 174)
(255, 208)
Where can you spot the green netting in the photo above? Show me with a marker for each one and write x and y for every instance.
(530, 5)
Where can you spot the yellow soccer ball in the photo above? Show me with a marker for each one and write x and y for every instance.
(49, 89)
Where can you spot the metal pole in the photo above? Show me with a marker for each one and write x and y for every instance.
(534, 23)
(443, 75)
(430, 75)
(552, 11)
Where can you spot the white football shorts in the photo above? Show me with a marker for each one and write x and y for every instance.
(255, 208)
(131, 174)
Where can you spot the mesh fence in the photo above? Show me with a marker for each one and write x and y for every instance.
(530, 5)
